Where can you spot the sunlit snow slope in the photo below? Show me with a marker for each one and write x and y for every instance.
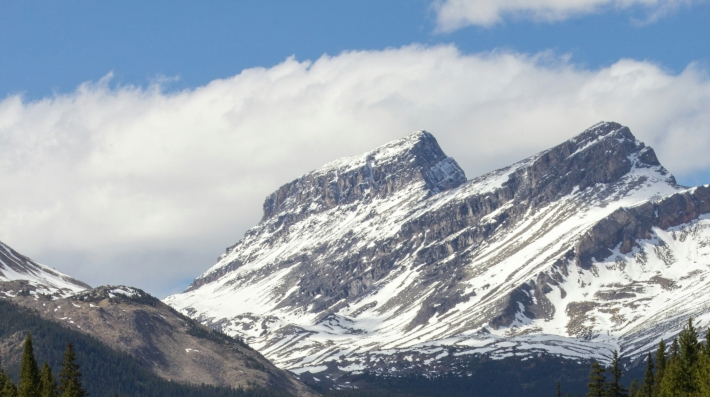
(43, 279)
(393, 261)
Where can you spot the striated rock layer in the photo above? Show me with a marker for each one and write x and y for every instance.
(393, 262)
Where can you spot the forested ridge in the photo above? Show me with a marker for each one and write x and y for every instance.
(105, 372)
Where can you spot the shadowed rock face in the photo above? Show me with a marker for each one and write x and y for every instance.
(625, 226)
(394, 251)
(378, 174)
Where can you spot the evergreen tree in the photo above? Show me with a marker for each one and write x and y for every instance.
(9, 390)
(49, 386)
(634, 388)
(559, 389)
(703, 376)
(675, 348)
(3, 379)
(70, 377)
(614, 387)
(670, 385)
(687, 358)
(597, 381)
(703, 372)
(661, 362)
(30, 383)
(649, 382)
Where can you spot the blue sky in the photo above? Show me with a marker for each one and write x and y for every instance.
(53, 46)
(140, 138)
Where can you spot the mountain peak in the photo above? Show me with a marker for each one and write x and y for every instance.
(415, 161)
(618, 134)
(604, 153)
(407, 257)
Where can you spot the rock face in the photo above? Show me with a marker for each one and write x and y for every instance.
(392, 262)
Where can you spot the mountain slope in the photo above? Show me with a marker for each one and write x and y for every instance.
(106, 372)
(15, 266)
(161, 340)
(392, 262)
(128, 320)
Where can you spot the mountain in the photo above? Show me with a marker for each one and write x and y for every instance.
(106, 372)
(393, 263)
(138, 328)
(15, 266)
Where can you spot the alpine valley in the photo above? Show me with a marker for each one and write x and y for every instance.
(392, 264)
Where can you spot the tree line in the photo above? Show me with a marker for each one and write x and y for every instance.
(36, 382)
(683, 370)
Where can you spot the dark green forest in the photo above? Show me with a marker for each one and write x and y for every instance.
(507, 377)
(681, 370)
(105, 372)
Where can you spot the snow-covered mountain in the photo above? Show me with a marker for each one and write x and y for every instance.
(43, 279)
(393, 262)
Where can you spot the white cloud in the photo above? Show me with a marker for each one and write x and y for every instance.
(455, 14)
(131, 185)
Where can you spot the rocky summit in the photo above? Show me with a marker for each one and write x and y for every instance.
(393, 262)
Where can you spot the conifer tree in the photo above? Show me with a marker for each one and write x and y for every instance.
(634, 388)
(70, 377)
(687, 358)
(49, 386)
(559, 389)
(661, 362)
(649, 382)
(670, 384)
(9, 390)
(597, 381)
(3, 379)
(614, 387)
(703, 371)
(675, 348)
(30, 383)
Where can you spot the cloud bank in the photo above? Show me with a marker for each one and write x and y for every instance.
(455, 14)
(138, 186)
